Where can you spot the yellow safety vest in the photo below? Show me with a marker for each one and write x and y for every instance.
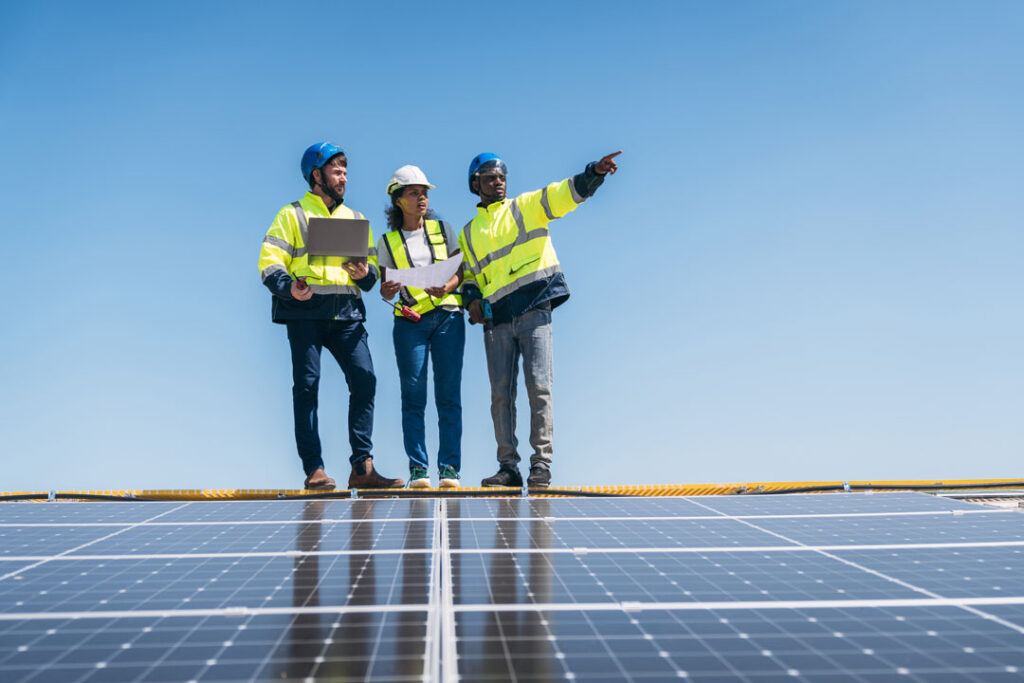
(506, 246)
(284, 248)
(417, 299)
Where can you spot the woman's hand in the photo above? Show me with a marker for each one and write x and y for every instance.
(449, 287)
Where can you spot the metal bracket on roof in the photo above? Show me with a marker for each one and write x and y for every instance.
(846, 486)
(51, 497)
(354, 493)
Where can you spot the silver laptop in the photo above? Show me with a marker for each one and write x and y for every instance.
(348, 237)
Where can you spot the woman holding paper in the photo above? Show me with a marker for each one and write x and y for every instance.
(417, 239)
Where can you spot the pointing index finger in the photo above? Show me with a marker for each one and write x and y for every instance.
(613, 155)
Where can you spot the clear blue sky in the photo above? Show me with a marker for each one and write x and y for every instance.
(809, 265)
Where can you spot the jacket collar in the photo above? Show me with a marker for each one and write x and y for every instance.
(318, 202)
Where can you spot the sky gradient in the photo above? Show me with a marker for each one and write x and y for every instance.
(808, 266)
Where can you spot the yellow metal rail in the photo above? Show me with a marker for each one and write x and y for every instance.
(757, 487)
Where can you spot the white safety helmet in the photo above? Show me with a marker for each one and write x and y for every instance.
(408, 175)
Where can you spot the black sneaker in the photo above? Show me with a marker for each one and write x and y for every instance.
(504, 477)
(540, 477)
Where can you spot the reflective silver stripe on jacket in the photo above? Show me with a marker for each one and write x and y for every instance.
(280, 244)
(469, 247)
(522, 237)
(572, 191)
(545, 205)
(506, 250)
(300, 215)
(523, 281)
(336, 289)
(272, 268)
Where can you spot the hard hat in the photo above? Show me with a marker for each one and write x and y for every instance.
(485, 162)
(408, 175)
(317, 155)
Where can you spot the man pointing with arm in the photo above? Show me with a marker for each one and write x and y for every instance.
(512, 282)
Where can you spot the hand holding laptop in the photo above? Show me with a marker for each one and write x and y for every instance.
(356, 269)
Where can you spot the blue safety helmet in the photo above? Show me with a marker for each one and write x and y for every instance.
(318, 155)
(484, 162)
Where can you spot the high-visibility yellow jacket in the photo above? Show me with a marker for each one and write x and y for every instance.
(506, 247)
(417, 299)
(284, 258)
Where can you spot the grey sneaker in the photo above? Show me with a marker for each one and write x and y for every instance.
(540, 476)
(449, 478)
(504, 477)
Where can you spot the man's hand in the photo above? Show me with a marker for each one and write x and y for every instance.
(389, 289)
(607, 164)
(304, 294)
(476, 312)
(356, 269)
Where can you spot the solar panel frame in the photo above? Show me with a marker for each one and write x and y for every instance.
(625, 588)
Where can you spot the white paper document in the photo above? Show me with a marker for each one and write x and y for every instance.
(434, 275)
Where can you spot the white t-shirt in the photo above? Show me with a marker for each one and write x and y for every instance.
(419, 248)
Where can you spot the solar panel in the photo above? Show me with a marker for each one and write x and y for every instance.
(814, 587)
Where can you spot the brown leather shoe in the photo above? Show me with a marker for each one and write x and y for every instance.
(318, 481)
(370, 479)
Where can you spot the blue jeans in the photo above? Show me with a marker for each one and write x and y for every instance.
(527, 336)
(347, 343)
(441, 335)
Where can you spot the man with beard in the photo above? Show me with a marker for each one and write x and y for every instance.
(512, 281)
(319, 299)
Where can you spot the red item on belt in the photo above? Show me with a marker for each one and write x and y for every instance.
(406, 312)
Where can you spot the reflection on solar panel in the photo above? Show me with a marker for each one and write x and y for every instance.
(814, 587)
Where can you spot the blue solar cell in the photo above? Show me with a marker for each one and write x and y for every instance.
(17, 541)
(832, 503)
(77, 512)
(569, 508)
(596, 577)
(971, 572)
(327, 647)
(539, 533)
(219, 583)
(294, 510)
(856, 643)
(986, 526)
(272, 537)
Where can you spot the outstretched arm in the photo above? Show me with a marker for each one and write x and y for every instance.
(586, 183)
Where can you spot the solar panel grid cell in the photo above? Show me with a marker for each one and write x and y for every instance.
(219, 583)
(545, 533)
(996, 526)
(265, 538)
(265, 647)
